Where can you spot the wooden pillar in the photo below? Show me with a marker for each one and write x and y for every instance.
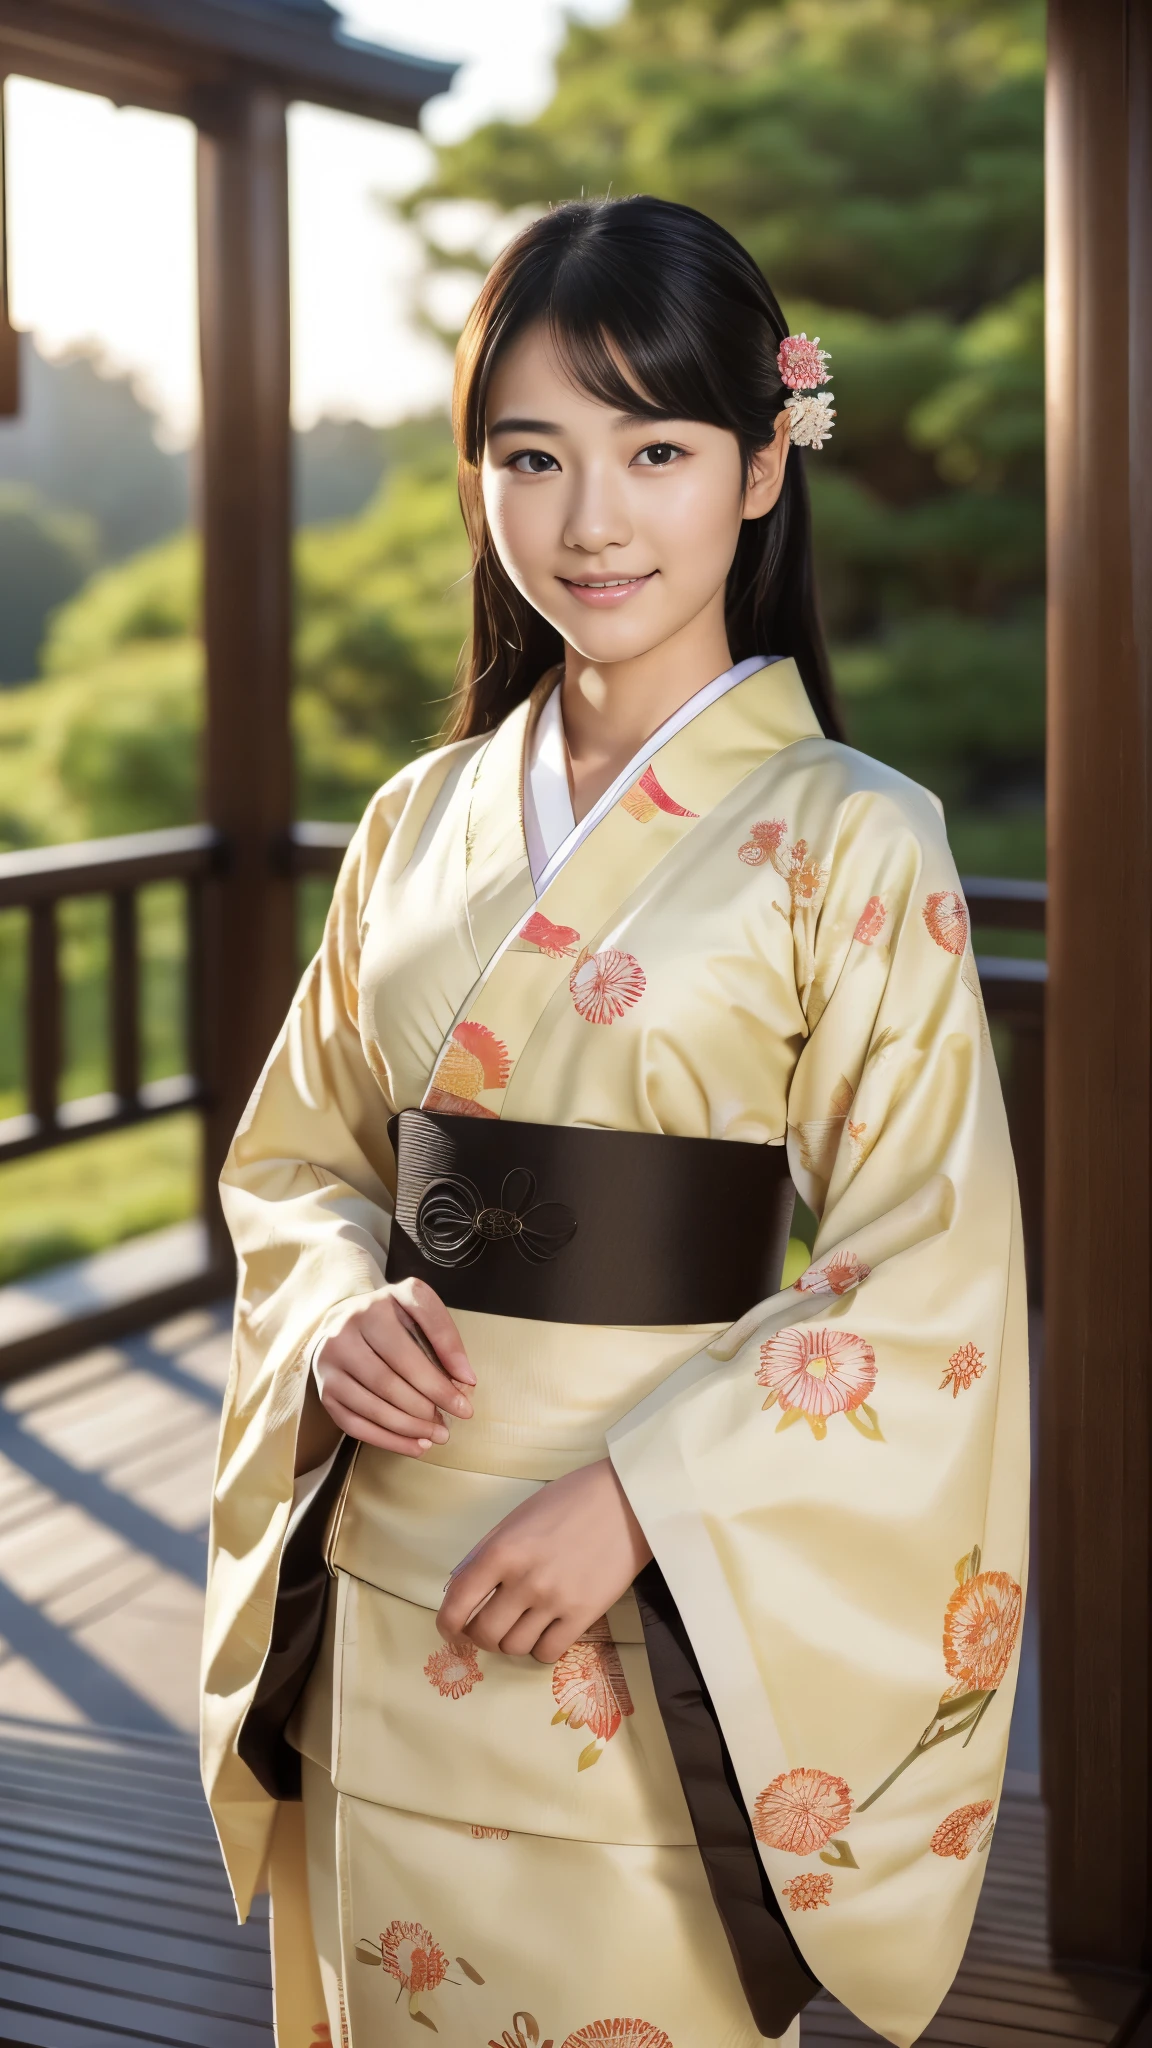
(1096, 1582)
(249, 939)
(9, 339)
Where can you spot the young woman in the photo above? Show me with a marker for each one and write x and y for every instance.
(639, 1633)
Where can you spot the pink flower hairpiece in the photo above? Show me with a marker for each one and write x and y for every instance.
(801, 364)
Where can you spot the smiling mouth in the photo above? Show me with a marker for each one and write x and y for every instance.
(605, 590)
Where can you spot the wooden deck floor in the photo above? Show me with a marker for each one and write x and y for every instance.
(116, 1927)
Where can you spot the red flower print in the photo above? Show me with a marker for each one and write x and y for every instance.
(963, 1830)
(605, 984)
(647, 797)
(807, 1890)
(763, 841)
(474, 1058)
(844, 1270)
(870, 922)
(590, 1689)
(817, 1372)
(964, 1366)
(946, 916)
(454, 1669)
(411, 1956)
(625, 2034)
(558, 941)
(981, 1623)
(801, 1810)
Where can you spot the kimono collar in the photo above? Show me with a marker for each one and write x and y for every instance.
(520, 786)
(549, 820)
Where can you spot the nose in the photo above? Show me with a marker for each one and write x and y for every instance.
(598, 515)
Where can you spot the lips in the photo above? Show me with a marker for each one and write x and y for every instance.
(605, 593)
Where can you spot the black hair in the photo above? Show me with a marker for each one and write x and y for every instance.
(657, 311)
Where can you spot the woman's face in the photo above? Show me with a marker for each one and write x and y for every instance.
(619, 530)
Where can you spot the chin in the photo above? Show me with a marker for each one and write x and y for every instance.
(606, 639)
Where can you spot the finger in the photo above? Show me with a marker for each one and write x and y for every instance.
(467, 1590)
(380, 1439)
(391, 1336)
(524, 1635)
(558, 1637)
(354, 1395)
(427, 1310)
(364, 1365)
(497, 1618)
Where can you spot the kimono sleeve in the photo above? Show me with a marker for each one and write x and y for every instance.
(306, 1195)
(836, 1491)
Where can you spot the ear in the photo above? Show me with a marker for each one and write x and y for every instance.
(766, 470)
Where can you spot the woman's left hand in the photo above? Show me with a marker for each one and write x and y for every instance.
(549, 1569)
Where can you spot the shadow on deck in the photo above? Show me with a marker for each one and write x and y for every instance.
(116, 1925)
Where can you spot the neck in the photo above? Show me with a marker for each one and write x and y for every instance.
(611, 708)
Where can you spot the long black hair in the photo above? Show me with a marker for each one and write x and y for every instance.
(664, 292)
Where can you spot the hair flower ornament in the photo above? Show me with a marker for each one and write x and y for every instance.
(801, 364)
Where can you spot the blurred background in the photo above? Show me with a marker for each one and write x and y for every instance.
(882, 159)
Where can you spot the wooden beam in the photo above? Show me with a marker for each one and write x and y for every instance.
(249, 939)
(1096, 1582)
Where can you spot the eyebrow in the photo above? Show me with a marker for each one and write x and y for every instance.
(623, 419)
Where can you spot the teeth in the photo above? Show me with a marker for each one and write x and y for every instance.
(616, 583)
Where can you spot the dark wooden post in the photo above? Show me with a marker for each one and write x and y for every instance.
(1097, 1397)
(9, 339)
(249, 949)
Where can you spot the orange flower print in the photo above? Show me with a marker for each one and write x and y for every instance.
(483, 1834)
(624, 2033)
(605, 984)
(871, 922)
(836, 1275)
(801, 1810)
(805, 876)
(763, 841)
(818, 1373)
(557, 941)
(946, 916)
(322, 2035)
(807, 1890)
(474, 1059)
(591, 1691)
(964, 1366)
(454, 1669)
(647, 797)
(412, 1956)
(967, 1828)
(981, 1624)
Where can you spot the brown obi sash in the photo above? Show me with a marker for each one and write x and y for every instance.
(569, 1224)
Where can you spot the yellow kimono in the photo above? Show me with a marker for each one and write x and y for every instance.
(761, 940)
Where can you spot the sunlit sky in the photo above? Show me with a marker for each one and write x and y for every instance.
(102, 217)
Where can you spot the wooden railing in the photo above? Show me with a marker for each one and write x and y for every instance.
(39, 881)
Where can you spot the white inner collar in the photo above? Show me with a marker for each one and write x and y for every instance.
(549, 821)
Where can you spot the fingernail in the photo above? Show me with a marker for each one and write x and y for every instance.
(461, 1406)
(440, 1434)
(465, 1378)
(425, 1443)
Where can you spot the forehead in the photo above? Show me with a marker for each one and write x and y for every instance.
(531, 373)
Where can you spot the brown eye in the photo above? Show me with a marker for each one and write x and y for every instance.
(533, 462)
(659, 455)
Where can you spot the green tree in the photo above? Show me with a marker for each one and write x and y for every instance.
(882, 160)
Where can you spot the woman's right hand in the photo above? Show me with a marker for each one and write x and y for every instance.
(394, 1369)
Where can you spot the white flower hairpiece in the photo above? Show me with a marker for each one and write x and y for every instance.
(801, 364)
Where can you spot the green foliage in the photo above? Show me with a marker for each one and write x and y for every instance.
(44, 557)
(882, 160)
(108, 741)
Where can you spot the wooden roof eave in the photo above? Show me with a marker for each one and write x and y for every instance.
(165, 54)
